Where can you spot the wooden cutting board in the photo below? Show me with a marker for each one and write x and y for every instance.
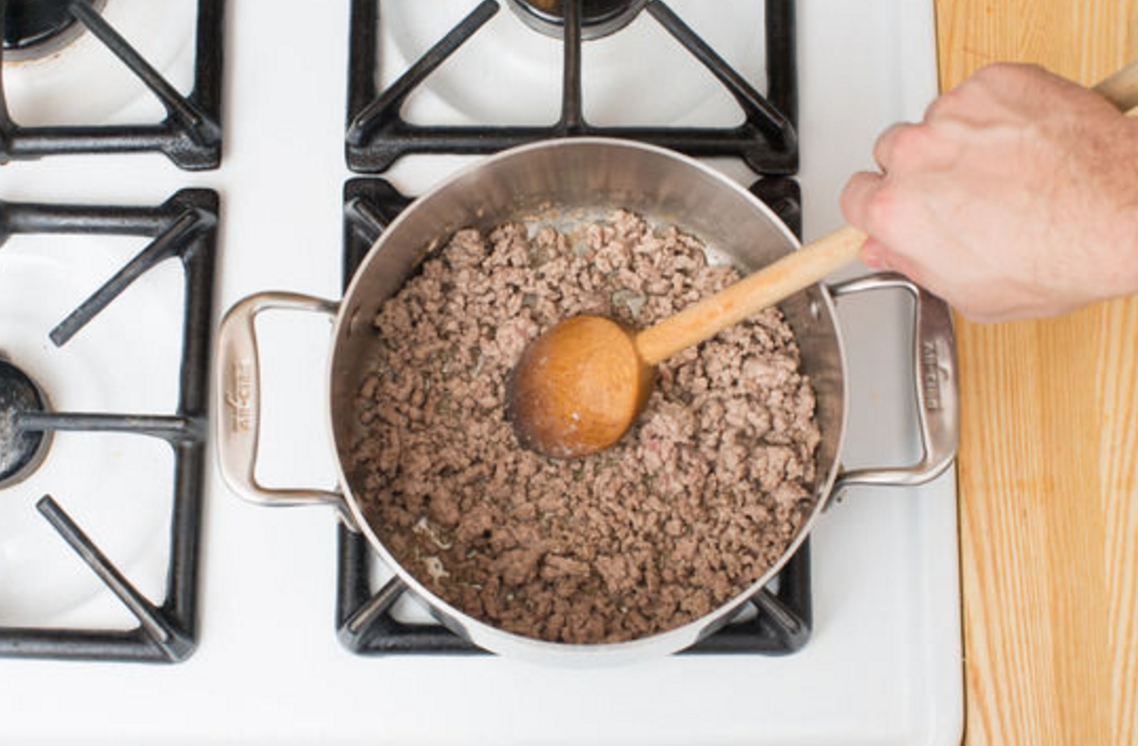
(1048, 467)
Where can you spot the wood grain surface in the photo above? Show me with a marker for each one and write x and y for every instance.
(1048, 467)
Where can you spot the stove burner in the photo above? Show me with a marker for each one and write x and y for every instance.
(183, 228)
(20, 452)
(37, 28)
(378, 134)
(598, 17)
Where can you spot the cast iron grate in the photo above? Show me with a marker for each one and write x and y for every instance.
(185, 227)
(783, 618)
(190, 135)
(377, 134)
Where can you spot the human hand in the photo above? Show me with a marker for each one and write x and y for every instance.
(1016, 197)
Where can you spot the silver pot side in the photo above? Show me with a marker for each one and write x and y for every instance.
(579, 178)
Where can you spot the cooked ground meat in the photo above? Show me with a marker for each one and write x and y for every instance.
(690, 508)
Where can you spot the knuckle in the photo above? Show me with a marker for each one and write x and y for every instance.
(850, 204)
(846, 200)
(995, 71)
(881, 148)
(943, 105)
(910, 142)
(883, 207)
(902, 145)
(1004, 74)
(854, 195)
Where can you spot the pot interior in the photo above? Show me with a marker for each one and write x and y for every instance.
(566, 181)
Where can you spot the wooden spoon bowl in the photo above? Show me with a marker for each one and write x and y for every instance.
(578, 388)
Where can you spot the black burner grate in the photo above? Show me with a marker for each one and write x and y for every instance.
(784, 616)
(191, 133)
(377, 134)
(184, 227)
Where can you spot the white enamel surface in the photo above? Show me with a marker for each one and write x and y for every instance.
(43, 91)
(884, 664)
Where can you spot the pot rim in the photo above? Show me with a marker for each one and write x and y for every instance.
(512, 643)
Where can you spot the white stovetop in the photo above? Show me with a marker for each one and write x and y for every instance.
(884, 664)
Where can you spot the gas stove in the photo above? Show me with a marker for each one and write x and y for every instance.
(283, 618)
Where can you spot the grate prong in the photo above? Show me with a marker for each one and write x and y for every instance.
(164, 246)
(173, 643)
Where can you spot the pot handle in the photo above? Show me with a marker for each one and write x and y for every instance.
(934, 380)
(238, 415)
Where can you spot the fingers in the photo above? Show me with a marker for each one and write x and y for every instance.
(885, 149)
(867, 206)
(942, 103)
(857, 196)
(877, 255)
(874, 255)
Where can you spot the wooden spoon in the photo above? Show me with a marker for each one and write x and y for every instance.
(579, 387)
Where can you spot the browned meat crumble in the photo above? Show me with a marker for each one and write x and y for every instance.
(693, 506)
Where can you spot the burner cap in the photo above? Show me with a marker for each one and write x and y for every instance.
(37, 28)
(598, 17)
(20, 452)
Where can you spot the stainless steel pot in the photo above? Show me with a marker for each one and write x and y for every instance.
(585, 174)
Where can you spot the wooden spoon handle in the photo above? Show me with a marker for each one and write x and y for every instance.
(1121, 89)
(734, 303)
